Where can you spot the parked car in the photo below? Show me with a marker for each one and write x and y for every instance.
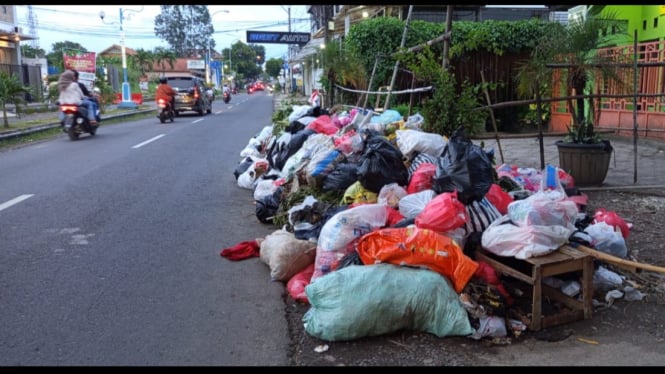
(191, 95)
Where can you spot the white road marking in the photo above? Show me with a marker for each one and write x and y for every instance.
(14, 201)
(198, 120)
(147, 141)
(218, 112)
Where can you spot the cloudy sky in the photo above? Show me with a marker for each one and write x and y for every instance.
(82, 24)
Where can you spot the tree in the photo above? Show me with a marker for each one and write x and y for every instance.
(12, 91)
(30, 52)
(143, 60)
(163, 56)
(186, 28)
(55, 58)
(273, 66)
(243, 58)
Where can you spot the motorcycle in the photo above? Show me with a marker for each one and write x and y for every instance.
(227, 97)
(76, 121)
(234, 90)
(165, 111)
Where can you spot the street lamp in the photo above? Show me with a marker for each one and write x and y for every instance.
(126, 102)
(209, 55)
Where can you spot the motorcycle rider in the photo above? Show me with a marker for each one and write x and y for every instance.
(226, 91)
(166, 92)
(70, 93)
(87, 94)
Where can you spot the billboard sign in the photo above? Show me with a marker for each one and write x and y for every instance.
(277, 37)
(83, 62)
(79, 61)
(196, 64)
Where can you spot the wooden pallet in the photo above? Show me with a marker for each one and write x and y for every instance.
(564, 260)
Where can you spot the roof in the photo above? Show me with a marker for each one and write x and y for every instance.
(116, 49)
(312, 47)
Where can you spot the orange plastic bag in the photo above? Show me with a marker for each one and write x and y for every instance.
(418, 247)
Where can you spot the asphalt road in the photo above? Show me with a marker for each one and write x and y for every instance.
(111, 247)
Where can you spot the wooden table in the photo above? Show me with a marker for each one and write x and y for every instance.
(564, 260)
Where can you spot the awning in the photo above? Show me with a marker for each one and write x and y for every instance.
(312, 47)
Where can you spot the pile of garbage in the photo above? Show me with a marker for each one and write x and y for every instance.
(377, 223)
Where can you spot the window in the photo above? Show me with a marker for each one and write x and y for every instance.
(655, 22)
(644, 24)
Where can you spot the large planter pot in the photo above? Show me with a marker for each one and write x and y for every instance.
(586, 163)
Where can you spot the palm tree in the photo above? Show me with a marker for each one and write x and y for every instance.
(143, 60)
(163, 55)
(12, 91)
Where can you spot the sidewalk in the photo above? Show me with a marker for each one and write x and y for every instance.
(646, 162)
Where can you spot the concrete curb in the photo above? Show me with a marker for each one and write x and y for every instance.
(47, 126)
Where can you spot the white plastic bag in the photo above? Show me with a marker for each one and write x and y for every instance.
(606, 239)
(390, 194)
(506, 239)
(412, 204)
(411, 141)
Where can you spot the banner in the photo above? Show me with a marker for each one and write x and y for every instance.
(79, 61)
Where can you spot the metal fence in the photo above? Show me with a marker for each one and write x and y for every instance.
(31, 76)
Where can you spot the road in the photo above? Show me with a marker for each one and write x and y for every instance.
(111, 247)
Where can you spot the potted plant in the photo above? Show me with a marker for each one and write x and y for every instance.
(573, 51)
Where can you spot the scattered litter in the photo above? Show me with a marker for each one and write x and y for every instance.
(588, 341)
(631, 294)
(321, 348)
(613, 295)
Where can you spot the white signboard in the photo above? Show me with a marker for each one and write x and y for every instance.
(196, 64)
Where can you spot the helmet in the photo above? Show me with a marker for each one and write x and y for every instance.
(162, 80)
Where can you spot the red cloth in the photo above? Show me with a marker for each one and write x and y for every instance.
(242, 251)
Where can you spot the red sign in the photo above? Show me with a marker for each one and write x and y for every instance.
(81, 62)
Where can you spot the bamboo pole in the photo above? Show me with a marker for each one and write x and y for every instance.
(392, 81)
(617, 261)
(489, 102)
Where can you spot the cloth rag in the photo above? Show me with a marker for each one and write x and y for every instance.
(242, 250)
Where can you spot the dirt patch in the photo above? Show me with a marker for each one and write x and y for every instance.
(615, 335)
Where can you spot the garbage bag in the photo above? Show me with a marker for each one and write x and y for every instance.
(360, 301)
(268, 206)
(464, 167)
(380, 164)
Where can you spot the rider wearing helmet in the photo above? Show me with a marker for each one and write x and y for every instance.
(166, 92)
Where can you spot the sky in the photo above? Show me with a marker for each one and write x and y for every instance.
(82, 24)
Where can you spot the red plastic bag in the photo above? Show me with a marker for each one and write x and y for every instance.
(421, 179)
(443, 213)
(296, 285)
(499, 198)
(612, 219)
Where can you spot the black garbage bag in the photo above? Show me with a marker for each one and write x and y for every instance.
(243, 166)
(344, 175)
(267, 207)
(465, 167)
(380, 164)
(285, 146)
(294, 126)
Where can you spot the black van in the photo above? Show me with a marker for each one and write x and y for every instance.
(191, 95)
